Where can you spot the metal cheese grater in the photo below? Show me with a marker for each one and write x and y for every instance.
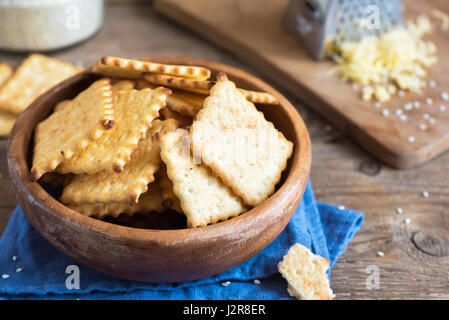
(316, 22)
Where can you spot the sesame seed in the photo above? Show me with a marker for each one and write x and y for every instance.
(432, 121)
(401, 93)
(341, 207)
(408, 106)
(225, 284)
(442, 108)
(403, 117)
(399, 112)
(385, 112)
(426, 116)
(399, 210)
(425, 194)
(432, 84)
(422, 126)
(429, 101)
(5, 276)
(411, 139)
(380, 253)
(407, 221)
(19, 270)
(257, 281)
(445, 96)
(14, 258)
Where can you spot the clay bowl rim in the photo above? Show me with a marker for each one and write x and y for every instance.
(298, 174)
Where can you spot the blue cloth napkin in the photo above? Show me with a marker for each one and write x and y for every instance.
(324, 228)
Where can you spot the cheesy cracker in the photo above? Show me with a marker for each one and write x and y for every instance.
(83, 120)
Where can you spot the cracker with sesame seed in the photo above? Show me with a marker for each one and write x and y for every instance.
(127, 185)
(134, 112)
(240, 146)
(7, 121)
(150, 201)
(131, 68)
(5, 72)
(306, 274)
(67, 132)
(204, 198)
(33, 77)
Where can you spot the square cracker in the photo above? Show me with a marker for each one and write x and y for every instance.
(134, 110)
(5, 72)
(130, 183)
(238, 144)
(150, 201)
(7, 121)
(33, 77)
(131, 68)
(66, 132)
(306, 274)
(204, 198)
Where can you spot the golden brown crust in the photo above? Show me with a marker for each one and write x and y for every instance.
(197, 86)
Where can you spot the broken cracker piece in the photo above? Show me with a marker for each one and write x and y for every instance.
(204, 198)
(233, 138)
(7, 121)
(83, 120)
(5, 72)
(33, 77)
(259, 97)
(306, 274)
(131, 68)
(130, 183)
(150, 201)
(134, 112)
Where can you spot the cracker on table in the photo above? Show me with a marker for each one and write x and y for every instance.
(33, 77)
(5, 72)
(7, 121)
(127, 185)
(238, 144)
(306, 274)
(169, 198)
(150, 201)
(204, 198)
(131, 68)
(192, 85)
(184, 121)
(134, 112)
(83, 120)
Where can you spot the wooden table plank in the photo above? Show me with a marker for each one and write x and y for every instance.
(341, 172)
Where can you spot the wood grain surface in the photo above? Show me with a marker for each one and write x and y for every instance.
(341, 172)
(252, 30)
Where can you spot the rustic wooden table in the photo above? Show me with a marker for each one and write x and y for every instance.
(415, 264)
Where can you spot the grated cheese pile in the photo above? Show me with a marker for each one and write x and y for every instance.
(397, 60)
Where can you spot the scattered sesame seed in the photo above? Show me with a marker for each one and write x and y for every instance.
(432, 84)
(411, 139)
(403, 117)
(422, 126)
(429, 101)
(377, 105)
(442, 108)
(401, 93)
(399, 210)
(341, 207)
(385, 112)
(432, 121)
(445, 96)
(257, 281)
(380, 253)
(408, 106)
(225, 284)
(425, 194)
(407, 221)
(5, 276)
(426, 116)
(399, 112)
(14, 258)
(19, 270)
(416, 104)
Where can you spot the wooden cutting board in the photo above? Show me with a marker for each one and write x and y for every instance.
(252, 30)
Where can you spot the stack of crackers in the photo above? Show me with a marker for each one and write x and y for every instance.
(32, 78)
(150, 137)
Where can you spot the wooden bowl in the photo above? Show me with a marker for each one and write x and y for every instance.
(159, 255)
